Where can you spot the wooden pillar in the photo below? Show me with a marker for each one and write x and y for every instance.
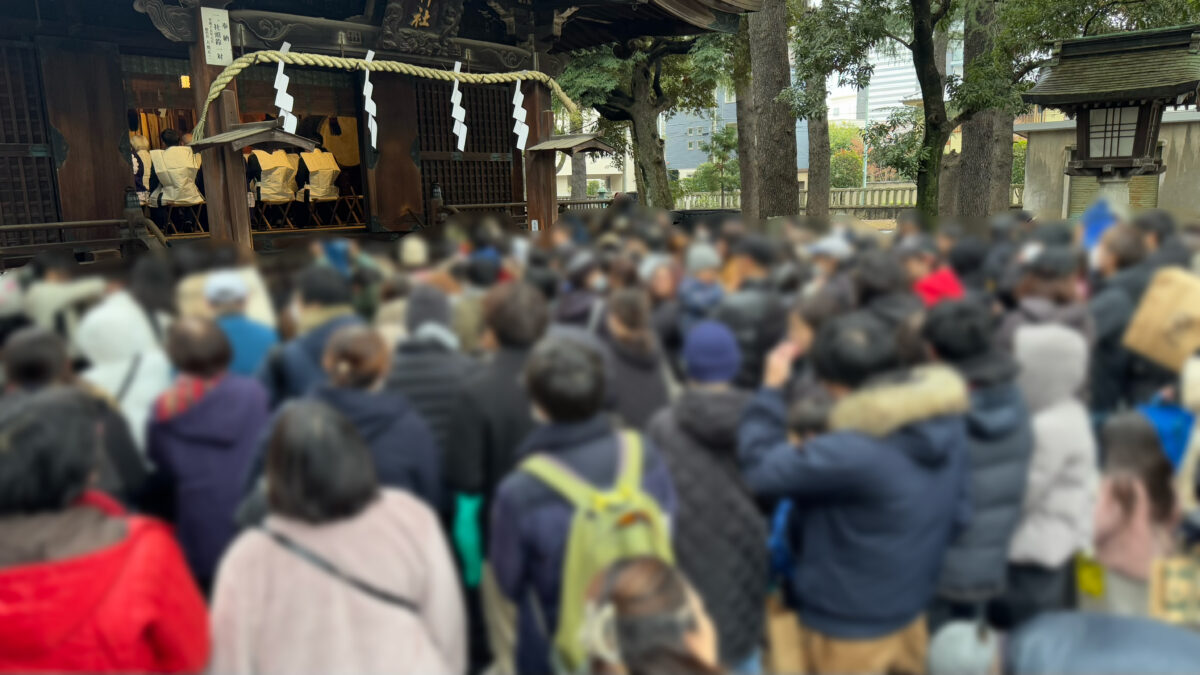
(542, 202)
(224, 169)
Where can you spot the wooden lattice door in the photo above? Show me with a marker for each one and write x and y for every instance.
(482, 173)
(27, 182)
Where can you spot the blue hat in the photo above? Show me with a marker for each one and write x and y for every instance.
(710, 353)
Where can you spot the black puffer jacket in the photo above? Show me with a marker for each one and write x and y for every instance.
(1118, 376)
(639, 381)
(758, 318)
(1000, 441)
(720, 538)
(432, 375)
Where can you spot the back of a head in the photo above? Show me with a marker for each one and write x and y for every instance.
(1054, 234)
(878, 273)
(323, 286)
(356, 357)
(757, 249)
(959, 331)
(566, 379)
(170, 137)
(152, 283)
(516, 313)
(57, 262)
(139, 143)
(579, 267)
(641, 615)
(198, 347)
(48, 450)
(483, 272)
(1125, 244)
(1156, 222)
(35, 358)
(318, 468)
(852, 349)
(631, 308)
(426, 304)
(1048, 272)
(910, 218)
(1132, 447)
(968, 255)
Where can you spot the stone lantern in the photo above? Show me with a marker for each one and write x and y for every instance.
(1116, 87)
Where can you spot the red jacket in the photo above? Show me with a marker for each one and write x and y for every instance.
(131, 607)
(941, 284)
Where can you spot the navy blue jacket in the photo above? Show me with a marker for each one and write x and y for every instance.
(292, 370)
(531, 524)
(200, 456)
(406, 455)
(878, 499)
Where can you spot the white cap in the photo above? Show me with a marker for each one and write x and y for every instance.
(225, 286)
(833, 246)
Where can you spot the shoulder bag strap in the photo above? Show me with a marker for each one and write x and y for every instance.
(560, 479)
(129, 377)
(332, 570)
(629, 476)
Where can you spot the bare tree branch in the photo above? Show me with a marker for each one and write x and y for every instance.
(941, 12)
(897, 38)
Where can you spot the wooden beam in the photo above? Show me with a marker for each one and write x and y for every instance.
(224, 168)
(540, 172)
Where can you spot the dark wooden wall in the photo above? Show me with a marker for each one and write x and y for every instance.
(85, 104)
(394, 186)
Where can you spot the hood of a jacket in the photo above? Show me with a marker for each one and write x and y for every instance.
(1053, 360)
(115, 330)
(913, 405)
(373, 413)
(1041, 310)
(996, 412)
(698, 296)
(222, 416)
(895, 308)
(67, 593)
(575, 306)
(431, 337)
(314, 341)
(642, 355)
(712, 417)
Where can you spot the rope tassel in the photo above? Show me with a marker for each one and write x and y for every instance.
(342, 63)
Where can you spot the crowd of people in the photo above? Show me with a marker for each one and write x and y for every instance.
(630, 446)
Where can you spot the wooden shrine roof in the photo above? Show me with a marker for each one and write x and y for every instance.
(596, 23)
(1152, 64)
(254, 133)
(573, 143)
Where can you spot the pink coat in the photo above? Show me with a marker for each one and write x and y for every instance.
(274, 612)
(1128, 544)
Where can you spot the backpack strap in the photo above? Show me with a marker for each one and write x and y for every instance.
(629, 476)
(561, 479)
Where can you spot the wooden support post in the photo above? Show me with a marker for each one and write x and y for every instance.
(224, 169)
(541, 198)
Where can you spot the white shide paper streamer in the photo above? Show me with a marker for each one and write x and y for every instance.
(520, 128)
(458, 112)
(369, 103)
(283, 100)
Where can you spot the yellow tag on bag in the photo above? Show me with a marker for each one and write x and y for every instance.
(1089, 576)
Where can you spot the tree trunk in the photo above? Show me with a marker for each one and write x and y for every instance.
(778, 190)
(937, 124)
(579, 179)
(747, 124)
(1002, 167)
(648, 155)
(978, 162)
(818, 157)
(930, 174)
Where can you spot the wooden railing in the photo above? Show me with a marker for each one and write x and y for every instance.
(710, 200)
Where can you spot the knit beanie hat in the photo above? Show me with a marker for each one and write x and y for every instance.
(702, 257)
(710, 353)
(427, 304)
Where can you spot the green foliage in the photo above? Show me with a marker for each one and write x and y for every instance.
(721, 172)
(845, 169)
(896, 143)
(845, 136)
(1018, 170)
(593, 188)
